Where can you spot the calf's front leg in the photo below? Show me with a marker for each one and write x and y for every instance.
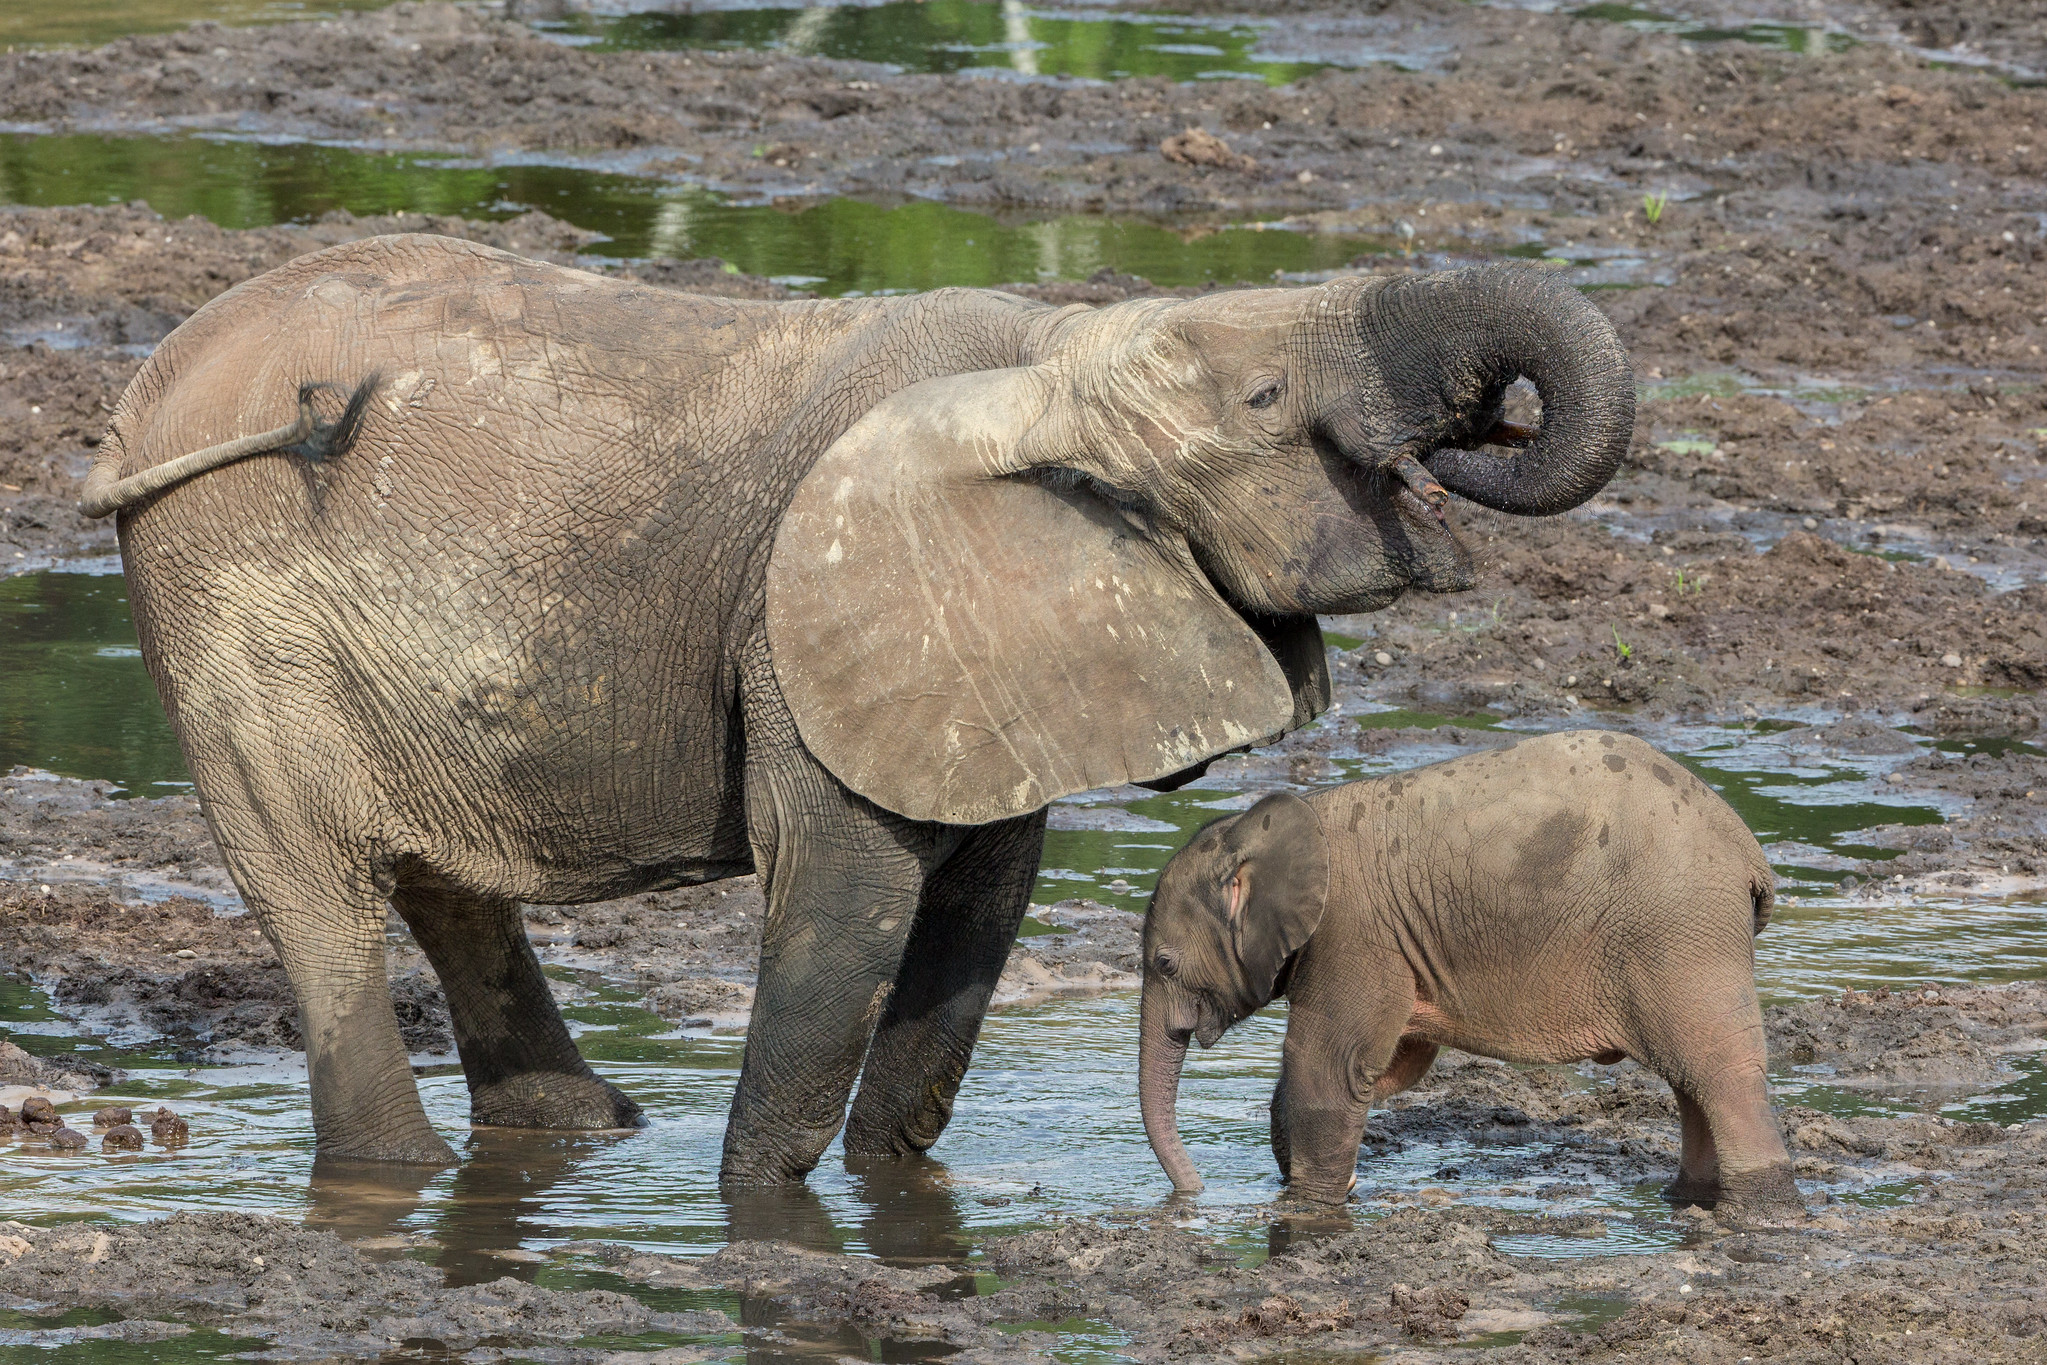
(1343, 1039)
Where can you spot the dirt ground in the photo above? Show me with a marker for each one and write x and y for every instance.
(1835, 511)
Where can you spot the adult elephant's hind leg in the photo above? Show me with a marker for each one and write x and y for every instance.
(966, 923)
(523, 1069)
(325, 917)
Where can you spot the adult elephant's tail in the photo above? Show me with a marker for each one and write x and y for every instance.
(106, 492)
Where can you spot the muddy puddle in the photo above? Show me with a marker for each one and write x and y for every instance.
(31, 23)
(837, 246)
(955, 36)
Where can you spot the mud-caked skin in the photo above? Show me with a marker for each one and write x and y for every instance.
(605, 588)
(1570, 897)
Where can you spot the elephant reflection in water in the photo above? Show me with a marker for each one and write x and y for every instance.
(909, 1214)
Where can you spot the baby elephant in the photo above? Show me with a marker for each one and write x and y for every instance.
(1577, 895)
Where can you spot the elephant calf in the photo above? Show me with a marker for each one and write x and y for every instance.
(1577, 895)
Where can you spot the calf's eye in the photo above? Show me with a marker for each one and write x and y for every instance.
(1266, 394)
(1166, 961)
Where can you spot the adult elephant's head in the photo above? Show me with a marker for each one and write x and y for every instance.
(1103, 566)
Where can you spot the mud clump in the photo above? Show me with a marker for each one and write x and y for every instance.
(113, 1116)
(122, 1137)
(1929, 1037)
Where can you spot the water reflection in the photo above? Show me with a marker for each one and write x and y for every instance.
(833, 246)
(956, 35)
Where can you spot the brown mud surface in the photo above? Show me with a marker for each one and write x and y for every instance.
(1835, 511)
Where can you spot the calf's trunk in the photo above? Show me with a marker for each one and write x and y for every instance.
(1161, 1053)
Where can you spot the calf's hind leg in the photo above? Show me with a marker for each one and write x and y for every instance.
(523, 1069)
(1713, 1054)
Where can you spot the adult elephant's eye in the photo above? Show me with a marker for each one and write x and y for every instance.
(1266, 394)
(1166, 961)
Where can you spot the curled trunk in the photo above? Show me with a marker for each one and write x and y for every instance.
(1448, 346)
(1161, 1052)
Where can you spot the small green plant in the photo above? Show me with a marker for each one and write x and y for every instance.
(1653, 206)
(1621, 647)
(1692, 584)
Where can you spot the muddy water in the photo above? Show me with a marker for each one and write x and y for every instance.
(43, 23)
(837, 246)
(956, 35)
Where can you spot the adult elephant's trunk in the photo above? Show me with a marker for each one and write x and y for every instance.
(1161, 1052)
(1448, 345)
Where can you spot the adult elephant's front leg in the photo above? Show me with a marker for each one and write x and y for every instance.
(966, 925)
(843, 879)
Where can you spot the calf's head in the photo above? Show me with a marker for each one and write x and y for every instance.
(1232, 909)
(1102, 565)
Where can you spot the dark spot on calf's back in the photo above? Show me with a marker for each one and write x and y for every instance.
(1548, 848)
(1663, 774)
(1616, 762)
(1602, 834)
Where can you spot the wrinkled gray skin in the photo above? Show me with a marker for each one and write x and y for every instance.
(1570, 897)
(527, 631)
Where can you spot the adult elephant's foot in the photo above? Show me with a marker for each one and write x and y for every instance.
(1760, 1197)
(906, 1128)
(553, 1099)
(408, 1146)
(1685, 1191)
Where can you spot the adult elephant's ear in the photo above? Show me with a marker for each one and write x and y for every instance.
(964, 633)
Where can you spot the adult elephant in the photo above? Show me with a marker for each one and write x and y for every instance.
(602, 588)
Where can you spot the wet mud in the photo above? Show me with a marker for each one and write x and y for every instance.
(1831, 530)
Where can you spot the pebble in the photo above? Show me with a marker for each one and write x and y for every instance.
(1950, 661)
(68, 1139)
(113, 1116)
(1382, 658)
(125, 1137)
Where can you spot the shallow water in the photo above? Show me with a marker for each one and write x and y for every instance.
(84, 23)
(956, 35)
(832, 246)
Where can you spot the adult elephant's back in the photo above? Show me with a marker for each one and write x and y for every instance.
(497, 626)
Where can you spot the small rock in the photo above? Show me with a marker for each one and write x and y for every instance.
(125, 1137)
(185, 954)
(1659, 611)
(1950, 661)
(38, 1109)
(1382, 658)
(113, 1116)
(68, 1139)
(1810, 524)
(168, 1128)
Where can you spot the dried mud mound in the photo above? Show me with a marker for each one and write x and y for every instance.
(303, 1292)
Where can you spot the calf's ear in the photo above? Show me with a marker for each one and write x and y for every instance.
(964, 631)
(1276, 897)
